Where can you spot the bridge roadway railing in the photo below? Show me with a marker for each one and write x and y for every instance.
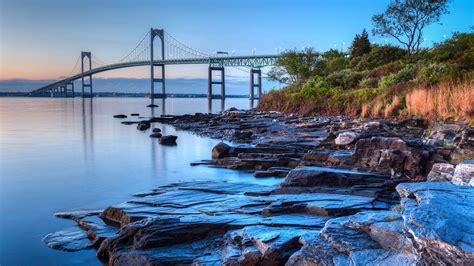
(254, 61)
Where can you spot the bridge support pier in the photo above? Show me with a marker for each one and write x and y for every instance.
(212, 82)
(161, 34)
(72, 94)
(84, 83)
(160, 80)
(253, 84)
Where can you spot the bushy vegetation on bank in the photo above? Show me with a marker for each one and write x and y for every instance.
(382, 81)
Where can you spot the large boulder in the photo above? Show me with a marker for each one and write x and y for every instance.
(439, 218)
(346, 138)
(220, 150)
(386, 154)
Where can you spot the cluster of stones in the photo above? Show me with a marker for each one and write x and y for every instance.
(354, 192)
(144, 125)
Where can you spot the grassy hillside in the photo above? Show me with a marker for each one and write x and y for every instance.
(378, 81)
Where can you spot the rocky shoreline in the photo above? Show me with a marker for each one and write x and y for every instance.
(353, 192)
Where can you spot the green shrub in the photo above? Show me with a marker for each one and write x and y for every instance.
(407, 73)
(336, 64)
(458, 50)
(379, 55)
(369, 82)
(353, 80)
(387, 69)
(314, 87)
(432, 73)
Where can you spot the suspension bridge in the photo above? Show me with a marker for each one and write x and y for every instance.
(170, 52)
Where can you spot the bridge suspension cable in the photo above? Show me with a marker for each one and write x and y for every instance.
(175, 49)
(138, 50)
(76, 65)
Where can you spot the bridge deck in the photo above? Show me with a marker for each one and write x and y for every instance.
(246, 61)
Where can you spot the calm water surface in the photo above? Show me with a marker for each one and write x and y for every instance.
(70, 154)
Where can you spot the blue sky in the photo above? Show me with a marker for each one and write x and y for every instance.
(42, 39)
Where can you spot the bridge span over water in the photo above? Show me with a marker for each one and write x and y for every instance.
(171, 52)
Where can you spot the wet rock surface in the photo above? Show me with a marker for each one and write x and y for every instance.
(350, 195)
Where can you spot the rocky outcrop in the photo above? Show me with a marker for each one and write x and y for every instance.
(199, 221)
(345, 199)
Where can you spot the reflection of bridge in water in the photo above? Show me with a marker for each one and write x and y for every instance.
(172, 52)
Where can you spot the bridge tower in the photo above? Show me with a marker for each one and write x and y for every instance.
(84, 84)
(254, 71)
(211, 81)
(161, 34)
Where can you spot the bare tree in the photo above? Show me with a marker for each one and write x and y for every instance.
(405, 21)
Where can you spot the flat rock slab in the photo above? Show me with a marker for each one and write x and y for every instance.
(71, 239)
(440, 217)
(192, 220)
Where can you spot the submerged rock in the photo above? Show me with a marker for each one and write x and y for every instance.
(143, 125)
(156, 130)
(168, 140)
(134, 114)
(156, 135)
(120, 116)
(72, 239)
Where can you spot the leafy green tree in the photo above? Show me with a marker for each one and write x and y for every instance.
(360, 45)
(296, 65)
(405, 21)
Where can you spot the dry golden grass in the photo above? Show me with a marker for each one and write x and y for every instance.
(365, 110)
(390, 109)
(445, 100)
(377, 108)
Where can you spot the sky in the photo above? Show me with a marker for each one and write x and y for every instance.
(41, 39)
